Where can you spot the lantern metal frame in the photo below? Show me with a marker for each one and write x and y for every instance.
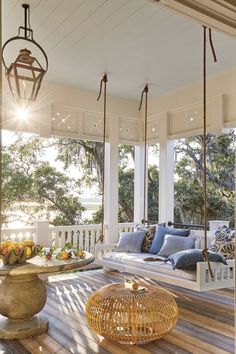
(29, 37)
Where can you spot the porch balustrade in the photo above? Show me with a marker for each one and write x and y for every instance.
(82, 236)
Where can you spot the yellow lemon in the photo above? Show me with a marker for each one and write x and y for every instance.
(28, 251)
(8, 243)
(27, 243)
(80, 253)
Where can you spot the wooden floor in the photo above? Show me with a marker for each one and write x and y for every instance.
(205, 324)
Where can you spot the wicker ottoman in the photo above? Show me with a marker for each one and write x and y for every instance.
(131, 317)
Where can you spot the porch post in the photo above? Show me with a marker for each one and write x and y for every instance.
(166, 173)
(42, 234)
(138, 183)
(111, 182)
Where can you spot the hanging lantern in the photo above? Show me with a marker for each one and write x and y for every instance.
(25, 74)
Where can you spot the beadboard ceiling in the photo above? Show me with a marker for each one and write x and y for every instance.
(134, 41)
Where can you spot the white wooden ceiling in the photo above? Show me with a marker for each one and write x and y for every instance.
(134, 41)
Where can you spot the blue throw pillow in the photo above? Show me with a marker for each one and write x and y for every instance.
(131, 241)
(188, 259)
(173, 244)
(159, 237)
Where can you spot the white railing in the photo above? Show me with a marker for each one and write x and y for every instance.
(82, 236)
(126, 227)
(17, 235)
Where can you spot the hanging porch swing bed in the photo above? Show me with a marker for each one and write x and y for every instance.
(107, 255)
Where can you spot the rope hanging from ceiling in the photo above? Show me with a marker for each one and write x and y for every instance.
(205, 252)
(103, 83)
(145, 91)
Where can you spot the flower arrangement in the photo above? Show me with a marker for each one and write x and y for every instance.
(66, 252)
(18, 252)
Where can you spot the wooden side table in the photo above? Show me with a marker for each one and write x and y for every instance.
(131, 317)
(23, 294)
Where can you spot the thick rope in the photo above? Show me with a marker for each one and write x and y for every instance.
(205, 252)
(104, 80)
(145, 90)
(1, 177)
(212, 46)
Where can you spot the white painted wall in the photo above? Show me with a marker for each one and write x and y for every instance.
(184, 107)
(84, 111)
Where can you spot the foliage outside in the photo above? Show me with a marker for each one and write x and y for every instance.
(34, 189)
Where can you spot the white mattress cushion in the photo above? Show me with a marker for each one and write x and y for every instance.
(137, 260)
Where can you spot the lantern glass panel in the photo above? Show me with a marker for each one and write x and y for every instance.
(11, 80)
(26, 82)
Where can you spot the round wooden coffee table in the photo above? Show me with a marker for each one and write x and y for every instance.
(23, 294)
(131, 317)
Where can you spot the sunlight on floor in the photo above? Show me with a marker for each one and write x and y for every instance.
(61, 277)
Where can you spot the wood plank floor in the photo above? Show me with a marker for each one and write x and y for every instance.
(205, 324)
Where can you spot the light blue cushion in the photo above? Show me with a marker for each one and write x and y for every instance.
(188, 259)
(173, 244)
(159, 237)
(131, 241)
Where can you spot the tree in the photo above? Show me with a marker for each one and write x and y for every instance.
(220, 178)
(86, 155)
(153, 193)
(32, 189)
(126, 194)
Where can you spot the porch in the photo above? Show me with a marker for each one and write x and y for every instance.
(205, 323)
(69, 108)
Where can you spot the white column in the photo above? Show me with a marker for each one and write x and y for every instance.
(138, 183)
(42, 235)
(111, 182)
(166, 173)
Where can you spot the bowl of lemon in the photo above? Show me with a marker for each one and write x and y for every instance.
(18, 252)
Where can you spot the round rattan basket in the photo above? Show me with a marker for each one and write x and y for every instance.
(131, 317)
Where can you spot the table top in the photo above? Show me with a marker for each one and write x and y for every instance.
(118, 290)
(39, 265)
